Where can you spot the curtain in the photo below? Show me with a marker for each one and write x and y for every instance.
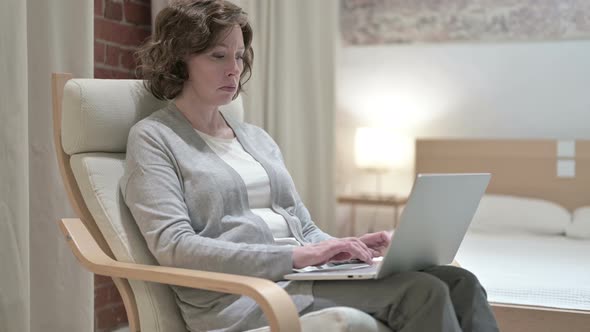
(292, 92)
(42, 286)
(14, 188)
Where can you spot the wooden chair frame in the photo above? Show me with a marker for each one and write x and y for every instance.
(91, 249)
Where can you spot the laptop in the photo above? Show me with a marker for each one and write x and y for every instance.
(431, 229)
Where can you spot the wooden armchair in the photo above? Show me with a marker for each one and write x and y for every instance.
(91, 120)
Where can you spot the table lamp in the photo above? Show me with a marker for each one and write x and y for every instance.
(374, 153)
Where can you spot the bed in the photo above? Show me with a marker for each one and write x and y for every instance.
(529, 243)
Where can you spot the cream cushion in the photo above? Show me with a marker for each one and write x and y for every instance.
(97, 115)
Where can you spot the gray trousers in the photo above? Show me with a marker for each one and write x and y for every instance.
(442, 298)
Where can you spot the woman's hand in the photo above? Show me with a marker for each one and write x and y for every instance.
(377, 242)
(331, 250)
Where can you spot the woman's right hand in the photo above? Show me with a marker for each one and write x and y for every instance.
(331, 250)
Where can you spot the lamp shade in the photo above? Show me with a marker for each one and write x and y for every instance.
(373, 149)
(379, 149)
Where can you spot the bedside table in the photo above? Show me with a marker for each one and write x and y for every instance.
(371, 200)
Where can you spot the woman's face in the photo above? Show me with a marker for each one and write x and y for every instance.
(214, 75)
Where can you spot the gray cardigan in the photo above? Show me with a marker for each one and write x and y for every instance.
(192, 209)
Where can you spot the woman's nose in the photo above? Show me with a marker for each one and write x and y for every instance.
(234, 68)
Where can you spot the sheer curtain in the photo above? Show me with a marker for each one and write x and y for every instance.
(14, 161)
(292, 91)
(42, 287)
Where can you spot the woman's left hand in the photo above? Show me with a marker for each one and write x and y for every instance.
(377, 242)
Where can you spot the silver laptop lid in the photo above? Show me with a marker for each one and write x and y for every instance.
(434, 221)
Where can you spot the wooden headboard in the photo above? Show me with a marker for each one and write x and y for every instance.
(525, 168)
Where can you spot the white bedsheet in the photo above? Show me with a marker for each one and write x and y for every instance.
(550, 271)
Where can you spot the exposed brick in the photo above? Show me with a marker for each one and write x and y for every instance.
(137, 13)
(111, 317)
(101, 297)
(114, 296)
(113, 10)
(102, 280)
(98, 9)
(103, 73)
(124, 75)
(113, 73)
(99, 52)
(119, 33)
(113, 55)
(106, 295)
(128, 60)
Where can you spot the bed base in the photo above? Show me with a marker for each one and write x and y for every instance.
(516, 318)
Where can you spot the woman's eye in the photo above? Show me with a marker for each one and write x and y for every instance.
(218, 56)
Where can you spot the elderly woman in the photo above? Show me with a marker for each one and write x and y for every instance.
(213, 194)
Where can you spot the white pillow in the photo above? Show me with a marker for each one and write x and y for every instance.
(511, 214)
(580, 227)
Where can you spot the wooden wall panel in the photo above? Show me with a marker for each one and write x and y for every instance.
(519, 167)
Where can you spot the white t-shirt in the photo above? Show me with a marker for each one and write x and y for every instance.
(257, 184)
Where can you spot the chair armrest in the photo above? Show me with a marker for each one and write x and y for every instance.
(276, 304)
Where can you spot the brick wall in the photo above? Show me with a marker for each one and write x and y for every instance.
(109, 311)
(120, 26)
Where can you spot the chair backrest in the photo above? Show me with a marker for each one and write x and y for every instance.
(91, 138)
